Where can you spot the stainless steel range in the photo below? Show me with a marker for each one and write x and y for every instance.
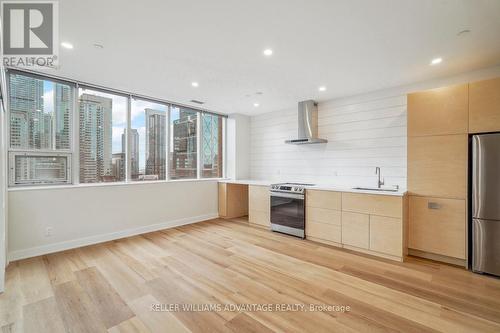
(288, 208)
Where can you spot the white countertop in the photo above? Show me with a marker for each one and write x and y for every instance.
(323, 187)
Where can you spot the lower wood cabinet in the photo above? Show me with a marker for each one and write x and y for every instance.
(438, 226)
(370, 223)
(259, 205)
(356, 229)
(233, 200)
(386, 235)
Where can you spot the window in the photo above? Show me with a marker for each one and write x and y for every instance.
(40, 168)
(183, 143)
(61, 132)
(40, 126)
(211, 145)
(148, 140)
(102, 123)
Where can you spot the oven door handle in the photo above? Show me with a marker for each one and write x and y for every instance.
(287, 195)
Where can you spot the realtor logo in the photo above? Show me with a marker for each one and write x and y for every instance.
(30, 33)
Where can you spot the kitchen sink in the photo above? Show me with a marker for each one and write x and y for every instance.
(381, 189)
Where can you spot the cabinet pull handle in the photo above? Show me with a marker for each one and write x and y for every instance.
(433, 205)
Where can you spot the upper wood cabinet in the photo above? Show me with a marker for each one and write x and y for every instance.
(437, 166)
(484, 106)
(438, 111)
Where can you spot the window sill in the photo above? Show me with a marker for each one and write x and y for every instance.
(132, 183)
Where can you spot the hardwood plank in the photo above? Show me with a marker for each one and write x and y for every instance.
(156, 321)
(132, 325)
(43, 316)
(111, 308)
(246, 324)
(77, 309)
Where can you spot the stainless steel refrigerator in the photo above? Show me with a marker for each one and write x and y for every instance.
(486, 203)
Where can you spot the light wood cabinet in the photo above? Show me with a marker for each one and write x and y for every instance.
(355, 229)
(386, 235)
(484, 107)
(324, 199)
(323, 232)
(437, 166)
(377, 204)
(438, 111)
(233, 200)
(259, 205)
(323, 216)
(438, 226)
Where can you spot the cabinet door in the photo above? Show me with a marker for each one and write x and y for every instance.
(484, 107)
(355, 229)
(438, 111)
(323, 231)
(437, 226)
(386, 235)
(259, 217)
(259, 205)
(258, 198)
(437, 166)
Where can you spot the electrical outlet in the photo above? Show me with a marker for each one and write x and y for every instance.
(48, 231)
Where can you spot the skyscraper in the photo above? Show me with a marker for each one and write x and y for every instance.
(156, 144)
(134, 151)
(62, 109)
(183, 162)
(95, 138)
(118, 164)
(211, 145)
(26, 107)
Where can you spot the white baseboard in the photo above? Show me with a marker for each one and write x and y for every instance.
(75, 243)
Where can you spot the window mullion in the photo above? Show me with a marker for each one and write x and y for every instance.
(198, 145)
(128, 150)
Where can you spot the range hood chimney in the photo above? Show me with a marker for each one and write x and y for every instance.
(308, 124)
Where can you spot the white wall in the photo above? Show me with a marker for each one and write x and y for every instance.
(82, 215)
(238, 146)
(363, 132)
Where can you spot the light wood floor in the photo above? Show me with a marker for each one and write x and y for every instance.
(112, 287)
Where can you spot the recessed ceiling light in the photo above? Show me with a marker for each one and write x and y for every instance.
(67, 45)
(194, 84)
(322, 88)
(256, 105)
(436, 61)
(98, 46)
(268, 52)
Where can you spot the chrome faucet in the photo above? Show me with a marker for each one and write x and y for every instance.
(379, 182)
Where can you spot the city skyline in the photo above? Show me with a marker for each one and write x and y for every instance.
(41, 116)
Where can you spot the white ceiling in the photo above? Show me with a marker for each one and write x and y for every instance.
(158, 47)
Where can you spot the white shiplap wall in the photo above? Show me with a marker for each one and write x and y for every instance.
(361, 136)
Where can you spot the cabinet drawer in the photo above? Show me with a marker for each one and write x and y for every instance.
(437, 166)
(258, 198)
(323, 215)
(377, 204)
(323, 199)
(355, 229)
(386, 235)
(438, 226)
(259, 217)
(324, 231)
(438, 111)
(484, 107)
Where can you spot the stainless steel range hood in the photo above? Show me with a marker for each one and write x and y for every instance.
(308, 124)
